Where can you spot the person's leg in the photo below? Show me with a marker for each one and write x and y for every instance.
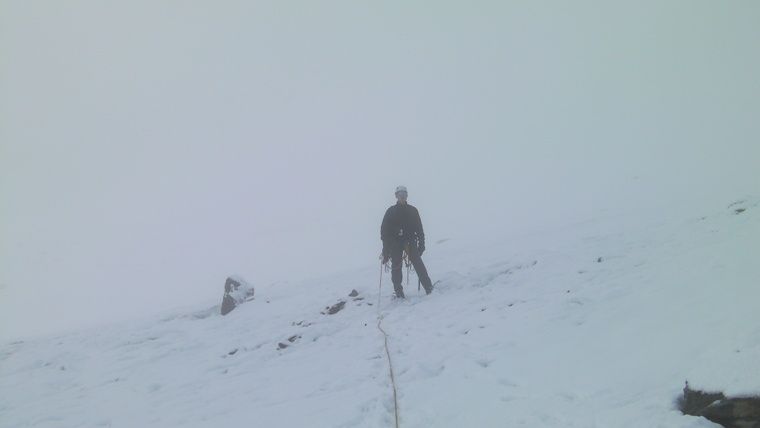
(419, 267)
(397, 264)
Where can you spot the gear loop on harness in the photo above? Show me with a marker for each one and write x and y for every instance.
(404, 261)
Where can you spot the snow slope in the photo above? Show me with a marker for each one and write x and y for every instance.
(595, 325)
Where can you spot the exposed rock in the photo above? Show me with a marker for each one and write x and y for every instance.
(355, 295)
(730, 412)
(291, 339)
(334, 309)
(236, 292)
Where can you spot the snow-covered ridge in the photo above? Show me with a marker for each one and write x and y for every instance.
(595, 325)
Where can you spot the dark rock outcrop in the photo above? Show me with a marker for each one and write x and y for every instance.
(236, 291)
(730, 412)
(334, 309)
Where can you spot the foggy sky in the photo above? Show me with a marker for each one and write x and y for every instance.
(150, 149)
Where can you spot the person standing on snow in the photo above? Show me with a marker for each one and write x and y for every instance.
(402, 229)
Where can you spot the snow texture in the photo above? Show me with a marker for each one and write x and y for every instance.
(596, 325)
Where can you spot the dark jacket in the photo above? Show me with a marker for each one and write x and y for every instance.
(401, 223)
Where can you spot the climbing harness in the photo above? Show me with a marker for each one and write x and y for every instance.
(404, 262)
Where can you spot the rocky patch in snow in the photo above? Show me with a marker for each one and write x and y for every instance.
(730, 412)
(236, 292)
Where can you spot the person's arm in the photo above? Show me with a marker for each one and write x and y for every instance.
(420, 232)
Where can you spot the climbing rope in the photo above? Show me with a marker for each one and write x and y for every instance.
(390, 365)
(387, 351)
(404, 261)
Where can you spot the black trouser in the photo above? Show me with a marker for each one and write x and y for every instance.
(397, 265)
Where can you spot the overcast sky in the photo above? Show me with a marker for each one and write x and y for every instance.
(150, 149)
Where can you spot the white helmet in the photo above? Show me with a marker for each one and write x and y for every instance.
(400, 189)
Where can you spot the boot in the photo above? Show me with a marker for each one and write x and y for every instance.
(428, 286)
(399, 291)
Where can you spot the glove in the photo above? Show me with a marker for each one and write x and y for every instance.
(385, 256)
(421, 248)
